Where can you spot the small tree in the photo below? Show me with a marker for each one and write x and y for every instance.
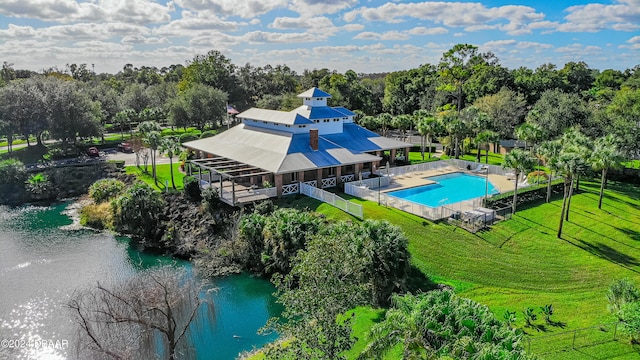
(428, 127)
(530, 316)
(125, 320)
(547, 310)
(621, 292)
(39, 185)
(520, 162)
(105, 189)
(438, 325)
(486, 137)
(605, 156)
(137, 211)
(171, 147)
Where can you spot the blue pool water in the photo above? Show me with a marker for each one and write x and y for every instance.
(448, 189)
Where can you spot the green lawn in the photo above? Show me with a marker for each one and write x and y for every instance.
(520, 262)
(163, 174)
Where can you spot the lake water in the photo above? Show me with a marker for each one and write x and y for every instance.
(41, 265)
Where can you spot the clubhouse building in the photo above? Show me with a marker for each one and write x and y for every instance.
(271, 152)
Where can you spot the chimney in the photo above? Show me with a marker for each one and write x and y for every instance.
(313, 139)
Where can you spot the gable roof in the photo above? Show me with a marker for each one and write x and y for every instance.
(318, 112)
(344, 111)
(314, 92)
(275, 116)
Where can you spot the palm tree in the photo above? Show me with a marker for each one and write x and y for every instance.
(604, 157)
(549, 152)
(150, 131)
(384, 121)
(571, 160)
(486, 137)
(170, 146)
(402, 123)
(521, 162)
(532, 134)
(427, 128)
(578, 146)
(455, 127)
(476, 121)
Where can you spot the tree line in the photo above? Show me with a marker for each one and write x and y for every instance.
(75, 102)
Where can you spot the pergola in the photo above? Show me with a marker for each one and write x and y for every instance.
(221, 171)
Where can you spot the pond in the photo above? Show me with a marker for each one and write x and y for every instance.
(42, 264)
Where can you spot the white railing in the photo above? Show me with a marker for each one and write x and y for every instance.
(372, 183)
(269, 192)
(346, 178)
(290, 189)
(328, 182)
(332, 199)
(313, 183)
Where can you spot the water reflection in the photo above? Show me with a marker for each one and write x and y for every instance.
(41, 266)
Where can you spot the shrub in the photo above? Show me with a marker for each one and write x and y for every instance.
(210, 199)
(537, 176)
(630, 315)
(137, 211)
(188, 137)
(12, 170)
(192, 188)
(621, 292)
(39, 184)
(286, 232)
(265, 207)
(443, 325)
(105, 189)
(208, 133)
(97, 216)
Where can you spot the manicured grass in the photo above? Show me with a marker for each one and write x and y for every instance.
(520, 262)
(163, 174)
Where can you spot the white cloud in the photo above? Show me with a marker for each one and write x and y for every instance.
(319, 7)
(389, 35)
(635, 44)
(621, 16)
(511, 18)
(421, 30)
(321, 23)
(66, 11)
(246, 9)
(352, 27)
(193, 23)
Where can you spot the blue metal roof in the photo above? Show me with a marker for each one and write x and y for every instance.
(321, 158)
(324, 112)
(354, 138)
(314, 92)
(344, 111)
(299, 120)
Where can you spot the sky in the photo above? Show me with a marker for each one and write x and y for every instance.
(367, 36)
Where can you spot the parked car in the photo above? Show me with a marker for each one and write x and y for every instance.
(125, 147)
(93, 152)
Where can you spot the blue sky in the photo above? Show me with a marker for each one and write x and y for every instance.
(363, 35)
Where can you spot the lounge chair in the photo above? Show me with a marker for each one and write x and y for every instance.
(478, 169)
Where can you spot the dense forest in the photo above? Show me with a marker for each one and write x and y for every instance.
(468, 91)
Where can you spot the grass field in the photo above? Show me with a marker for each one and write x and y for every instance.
(521, 263)
(163, 175)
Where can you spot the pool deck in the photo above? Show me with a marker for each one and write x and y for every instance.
(409, 180)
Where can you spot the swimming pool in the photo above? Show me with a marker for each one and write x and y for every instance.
(448, 189)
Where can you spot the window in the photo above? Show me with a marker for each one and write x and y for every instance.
(307, 98)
